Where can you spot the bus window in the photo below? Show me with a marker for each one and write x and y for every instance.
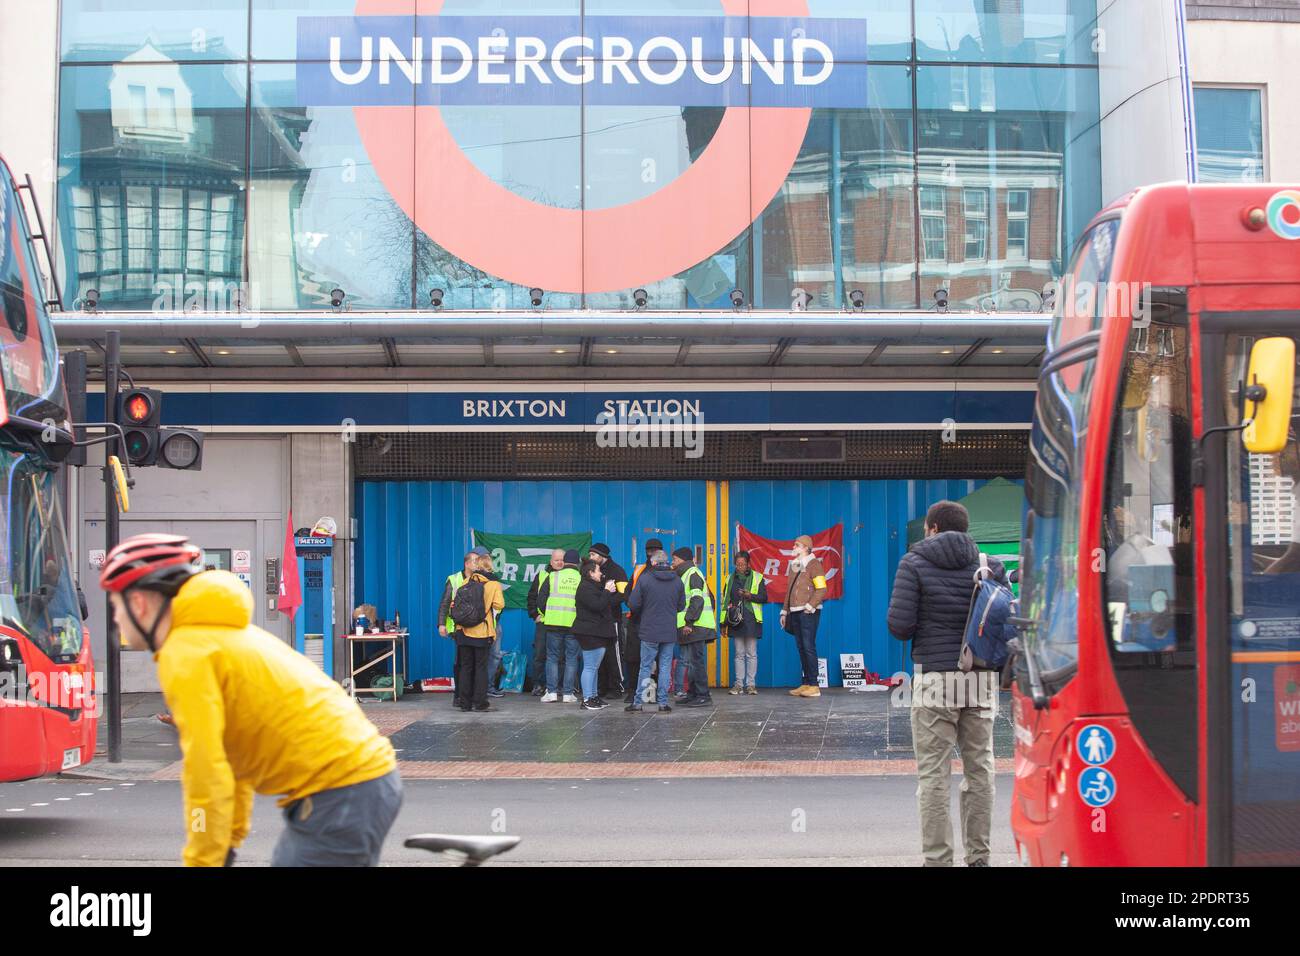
(1054, 475)
(1148, 544)
(1263, 570)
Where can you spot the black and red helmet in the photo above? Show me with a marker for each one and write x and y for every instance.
(152, 561)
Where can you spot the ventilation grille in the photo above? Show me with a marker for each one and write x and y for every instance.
(548, 456)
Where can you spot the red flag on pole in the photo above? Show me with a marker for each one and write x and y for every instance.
(771, 558)
(290, 598)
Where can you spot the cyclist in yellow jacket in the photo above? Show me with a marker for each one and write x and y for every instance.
(253, 716)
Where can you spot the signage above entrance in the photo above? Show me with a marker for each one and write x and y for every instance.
(540, 60)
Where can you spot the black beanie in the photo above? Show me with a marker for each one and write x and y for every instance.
(654, 544)
(601, 549)
(686, 554)
(571, 557)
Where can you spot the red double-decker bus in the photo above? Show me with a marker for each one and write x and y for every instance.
(48, 708)
(1157, 701)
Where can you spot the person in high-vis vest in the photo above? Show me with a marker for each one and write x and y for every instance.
(696, 627)
(804, 592)
(539, 629)
(447, 627)
(632, 663)
(743, 595)
(558, 599)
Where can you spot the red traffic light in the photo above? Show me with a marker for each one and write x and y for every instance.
(138, 407)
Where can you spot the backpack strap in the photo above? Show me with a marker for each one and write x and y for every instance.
(983, 572)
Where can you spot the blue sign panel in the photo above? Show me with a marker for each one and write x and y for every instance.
(1097, 786)
(613, 61)
(1095, 744)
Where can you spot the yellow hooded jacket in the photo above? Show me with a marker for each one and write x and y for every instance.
(253, 715)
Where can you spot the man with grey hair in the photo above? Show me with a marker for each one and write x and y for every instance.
(539, 629)
(655, 603)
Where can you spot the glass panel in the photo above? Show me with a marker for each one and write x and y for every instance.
(1006, 31)
(37, 594)
(1229, 135)
(1147, 534)
(1054, 473)
(1263, 571)
(109, 31)
(998, 128)
(843, 219)
(134, 139)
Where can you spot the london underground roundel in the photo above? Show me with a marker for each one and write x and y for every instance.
(504, 234)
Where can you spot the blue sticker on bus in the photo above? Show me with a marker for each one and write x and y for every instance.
(1097, 786)
(1096, 745)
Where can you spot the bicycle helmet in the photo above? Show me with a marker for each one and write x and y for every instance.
(150, 562)
(154, 562)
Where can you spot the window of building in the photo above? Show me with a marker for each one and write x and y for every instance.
(1230, 134)
(1017, 225)
(139, 108)
(167, 108)
(975, 208)
(934, 223)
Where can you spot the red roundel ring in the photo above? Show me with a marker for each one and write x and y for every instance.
(569, 250)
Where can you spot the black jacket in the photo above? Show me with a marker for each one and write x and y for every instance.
(534, 604)
(594, 625)
(655, 601)
(611, 570)
(931, 599)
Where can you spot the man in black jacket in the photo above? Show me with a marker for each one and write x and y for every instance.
(611, 666)
(929, 606)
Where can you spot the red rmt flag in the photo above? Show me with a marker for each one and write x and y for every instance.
(771, 557)
(290, 598)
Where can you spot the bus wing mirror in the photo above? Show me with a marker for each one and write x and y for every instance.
(1266, 411)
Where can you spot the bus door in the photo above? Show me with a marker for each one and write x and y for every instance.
(1253, 613)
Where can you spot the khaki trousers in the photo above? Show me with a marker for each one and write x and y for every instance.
(952, 710)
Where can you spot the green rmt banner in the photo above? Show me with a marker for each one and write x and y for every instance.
(518, 558)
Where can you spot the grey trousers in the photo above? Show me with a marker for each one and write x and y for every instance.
(954, 710)
(345, 826)
(745, 673)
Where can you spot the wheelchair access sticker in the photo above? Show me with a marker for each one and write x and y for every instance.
(1097, 786)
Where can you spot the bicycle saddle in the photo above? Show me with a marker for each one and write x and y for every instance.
(476, 848)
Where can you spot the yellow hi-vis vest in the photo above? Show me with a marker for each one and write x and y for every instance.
(694, 581)
(754, 578)
(562, 602)
(455, 580)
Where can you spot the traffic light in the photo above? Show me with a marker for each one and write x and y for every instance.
(180, 448)
(139, 412)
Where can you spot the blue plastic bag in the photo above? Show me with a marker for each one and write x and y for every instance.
(514, 664)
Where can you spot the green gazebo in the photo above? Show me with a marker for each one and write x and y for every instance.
(995, 515)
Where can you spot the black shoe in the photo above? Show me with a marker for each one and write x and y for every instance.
(978, 863)
(699, 702)
(593, 703)
(539, 690)
(632, 709)
(630, 698)
(682, 695)
(480, 708)
(665, 709)
(465, 707)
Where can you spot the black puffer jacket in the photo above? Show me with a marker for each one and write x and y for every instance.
(594, 625)
(932, 592)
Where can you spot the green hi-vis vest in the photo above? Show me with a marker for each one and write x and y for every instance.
(455, 580)
(562, 602)
(694, 581)
(754, 578)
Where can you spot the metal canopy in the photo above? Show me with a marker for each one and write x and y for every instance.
(552, 344)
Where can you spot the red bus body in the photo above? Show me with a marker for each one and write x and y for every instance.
(48, 702)
(1208, 240)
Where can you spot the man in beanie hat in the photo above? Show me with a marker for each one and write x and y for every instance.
(539, 629)
(632, 661)
(611, 666)
(696, 627)
(558, 599)
(805, 590)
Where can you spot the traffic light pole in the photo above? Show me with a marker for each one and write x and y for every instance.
(112, 646)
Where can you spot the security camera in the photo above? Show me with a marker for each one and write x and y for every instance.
(737, 299)
(90, 301)
(640, 297)
(800, 299)
(941, 299)
(1049, 297)
(336, 298)
(535, 296)
(857, 299)
(435, 298)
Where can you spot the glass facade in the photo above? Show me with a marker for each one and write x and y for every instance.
(260, 153)
(1229, 134)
